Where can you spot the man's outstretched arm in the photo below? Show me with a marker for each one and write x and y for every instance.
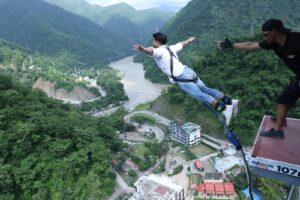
(148, 50)
(247, 46)
(188, 41)
(242, 46)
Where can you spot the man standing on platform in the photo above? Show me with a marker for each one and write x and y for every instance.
(286, 45)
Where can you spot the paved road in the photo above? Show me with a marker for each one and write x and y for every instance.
(159, 134)
(211, 144)
(160, 119)
(123, 188)
(106, 112)
(203, 158)
(218, 141)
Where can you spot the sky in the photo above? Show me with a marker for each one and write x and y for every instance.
(144, 4)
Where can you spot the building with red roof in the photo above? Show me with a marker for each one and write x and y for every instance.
(210, 188)
(219, 189)
(229, 189)
(199, 165)
(201, 188)
(222, 190)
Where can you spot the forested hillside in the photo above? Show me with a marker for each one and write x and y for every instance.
(49, 150)
(149, 20)
(126, 29)
(48, 29)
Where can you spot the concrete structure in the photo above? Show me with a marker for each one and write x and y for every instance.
(226, 163)
(213, 178)
(157, 187)
(188, 134)
(277, 158)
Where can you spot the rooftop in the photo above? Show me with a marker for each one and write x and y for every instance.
(198, 164)
(217, 188)
(188, 127)
(155, 187)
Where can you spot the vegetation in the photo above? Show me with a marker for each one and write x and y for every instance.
(132, 173)
(151, 153)
(161, 168)
(50, 30)
(201, 150)
(148, 20)
(188, 154)
(126, 29)
(142, 119)
(177, 170)
(139, 150)
(27, 66)
(270, 189)
(109, 80)
(144, 106)
(51, 151)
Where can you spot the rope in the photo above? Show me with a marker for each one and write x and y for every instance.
(235, 141)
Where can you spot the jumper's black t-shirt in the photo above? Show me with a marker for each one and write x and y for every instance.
(289, 52)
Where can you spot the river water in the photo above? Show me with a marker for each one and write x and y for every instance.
(138, 89)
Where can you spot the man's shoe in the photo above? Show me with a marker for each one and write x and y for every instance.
(272, 133)
(227, 100)
(273, 119)
(228, 113)
(236, 105)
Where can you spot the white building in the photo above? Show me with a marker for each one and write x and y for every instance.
(188, 134)
(154, 187)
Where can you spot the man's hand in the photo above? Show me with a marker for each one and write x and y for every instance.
(139, 47)
(148, 50)
(191, 39)
(188, 41)
(225, 44)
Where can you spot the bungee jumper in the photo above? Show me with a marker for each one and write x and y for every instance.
(286, 45)
(167, 60)
(221, 105)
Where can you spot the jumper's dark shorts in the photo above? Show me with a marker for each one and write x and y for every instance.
(291, 94)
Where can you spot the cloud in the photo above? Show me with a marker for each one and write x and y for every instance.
(143, 4)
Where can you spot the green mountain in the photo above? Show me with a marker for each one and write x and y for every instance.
(49, 150)
(48, 29)
(80, 7)
(149, 20)
(126, 29)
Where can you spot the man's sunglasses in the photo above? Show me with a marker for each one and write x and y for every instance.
(266, 33)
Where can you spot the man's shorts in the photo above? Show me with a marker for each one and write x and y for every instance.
(290, 95)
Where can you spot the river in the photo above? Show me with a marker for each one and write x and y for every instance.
(138, 89)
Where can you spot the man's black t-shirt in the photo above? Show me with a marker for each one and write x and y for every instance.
(289, 52)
